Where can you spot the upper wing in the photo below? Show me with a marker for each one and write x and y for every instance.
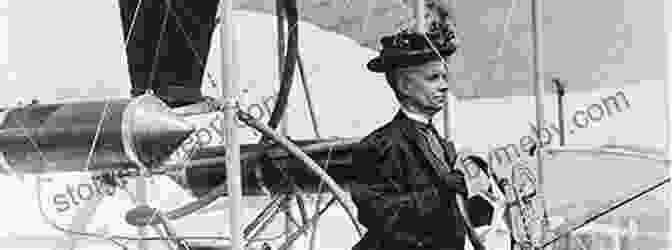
(169, 60)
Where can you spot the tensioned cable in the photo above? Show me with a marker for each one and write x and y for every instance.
(89, 157)
(500, 43)
(313, 236)
(190, 43)
(95, 137)
(130, 30)
(113, 238)
(38, 189)
(199, 59)
(293, 26)
(157, 51)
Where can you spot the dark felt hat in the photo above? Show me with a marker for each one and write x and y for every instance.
(408, 48)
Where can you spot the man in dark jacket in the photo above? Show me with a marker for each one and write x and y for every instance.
(407, 193)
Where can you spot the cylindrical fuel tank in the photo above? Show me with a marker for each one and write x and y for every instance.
(272, 172)
(63, 140)
(92, 135)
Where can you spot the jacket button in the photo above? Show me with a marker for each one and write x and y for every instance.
(420, 244)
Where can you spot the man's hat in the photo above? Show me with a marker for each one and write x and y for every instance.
(407, 48)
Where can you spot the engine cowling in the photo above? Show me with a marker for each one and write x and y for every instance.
(94, 135)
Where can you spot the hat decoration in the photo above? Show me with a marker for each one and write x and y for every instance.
(408, 48)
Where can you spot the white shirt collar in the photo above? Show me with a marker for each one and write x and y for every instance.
(414, 116)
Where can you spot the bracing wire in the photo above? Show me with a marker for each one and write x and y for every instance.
(499, 50)
(502, 41)
(89, 157)
(38, 190)
(98, 130)
(99, 127)
(190, 42)
(117, 238)
(313, 236)
(157, 51)
(309, 99)
(130, 30)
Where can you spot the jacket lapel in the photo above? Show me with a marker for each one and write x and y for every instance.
(412, 134)
(410, 130)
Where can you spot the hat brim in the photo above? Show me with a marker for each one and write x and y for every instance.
(384, 63)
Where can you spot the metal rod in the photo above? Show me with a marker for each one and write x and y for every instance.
(449, 109)
(141, 199)
(281, 17)
(302, 229)
(561, 109)
(335, 189)
(280, 26)
(499, 52)
(593, 215)
(668, 97)
(268, 217)
(229, 93)
(537, 62)
(309, 98)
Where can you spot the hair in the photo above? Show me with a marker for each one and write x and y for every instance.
(393, 77)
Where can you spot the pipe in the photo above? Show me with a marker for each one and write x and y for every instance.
(291, 12)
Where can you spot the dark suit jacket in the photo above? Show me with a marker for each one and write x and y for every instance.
(400, 198)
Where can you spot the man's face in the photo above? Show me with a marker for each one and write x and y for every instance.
(425, 86)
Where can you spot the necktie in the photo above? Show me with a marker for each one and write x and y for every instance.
(430, 135)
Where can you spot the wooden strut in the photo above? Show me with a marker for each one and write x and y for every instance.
(339, 194)
(230, 101)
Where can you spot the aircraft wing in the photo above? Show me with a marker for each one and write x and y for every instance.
(169, 57)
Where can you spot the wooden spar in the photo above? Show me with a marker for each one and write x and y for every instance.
(419, 11)
(141, 199)
(280, 28)
(538, 83)
(449, 109)
(230, 100)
